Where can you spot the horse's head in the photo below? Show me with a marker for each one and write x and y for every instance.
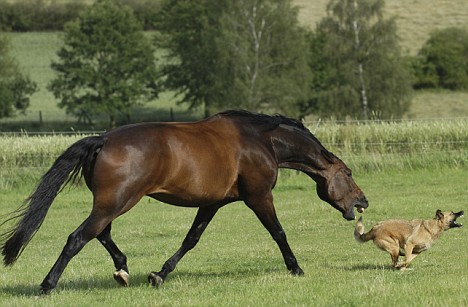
(295, 147)
(337, 187)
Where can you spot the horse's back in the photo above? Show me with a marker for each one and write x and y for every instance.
(185, 164)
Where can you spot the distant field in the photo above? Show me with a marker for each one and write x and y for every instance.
(415, 18)
(35, 51)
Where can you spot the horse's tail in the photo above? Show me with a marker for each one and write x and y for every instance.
(33, 212)
(359, 234)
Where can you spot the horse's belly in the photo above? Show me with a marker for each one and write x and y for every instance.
(192, 200)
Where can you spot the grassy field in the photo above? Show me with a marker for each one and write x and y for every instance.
(237, 264)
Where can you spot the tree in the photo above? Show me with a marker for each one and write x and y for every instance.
(443, 60)
(235, 54)
(357, 65)
(15, 88)
(106, 66)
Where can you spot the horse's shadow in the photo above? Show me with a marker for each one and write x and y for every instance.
(80, 284)
(107, 282)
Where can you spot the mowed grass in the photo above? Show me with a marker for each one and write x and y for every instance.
(236, 262)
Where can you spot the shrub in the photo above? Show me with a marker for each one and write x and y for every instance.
(443, 60)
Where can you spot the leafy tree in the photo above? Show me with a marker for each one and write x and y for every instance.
(356, 62)
(235, 54)
(106, 66)
(15, 88)
(443, 60)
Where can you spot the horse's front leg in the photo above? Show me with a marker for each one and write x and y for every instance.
(265, 211)
(202, 219)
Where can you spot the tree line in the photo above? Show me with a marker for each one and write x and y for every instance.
(52, 15)
(250, 54)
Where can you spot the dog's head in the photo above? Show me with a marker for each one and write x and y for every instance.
(449, 218)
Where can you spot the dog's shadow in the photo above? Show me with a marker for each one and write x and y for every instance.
(362, 267)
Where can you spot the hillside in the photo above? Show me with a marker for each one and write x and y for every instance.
(415, 18)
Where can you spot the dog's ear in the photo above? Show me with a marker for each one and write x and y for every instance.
(439, 215)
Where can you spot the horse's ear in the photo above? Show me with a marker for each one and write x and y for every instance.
(439, 215)
(328, 156)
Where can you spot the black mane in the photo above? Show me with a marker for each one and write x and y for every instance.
(270, 122)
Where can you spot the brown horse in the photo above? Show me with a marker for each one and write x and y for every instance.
(231, 156)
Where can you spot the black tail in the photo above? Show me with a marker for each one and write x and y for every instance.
(33, 212)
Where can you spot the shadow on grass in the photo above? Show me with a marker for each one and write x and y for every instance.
(136, 280)
(29, 290)
(362, 267)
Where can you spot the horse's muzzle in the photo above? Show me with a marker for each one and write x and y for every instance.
(361, 204)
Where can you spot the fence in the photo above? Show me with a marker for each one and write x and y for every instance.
(365, 146)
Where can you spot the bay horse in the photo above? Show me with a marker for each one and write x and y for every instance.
(231, 156)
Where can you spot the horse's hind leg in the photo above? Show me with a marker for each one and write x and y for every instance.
(88, 230)
(121, 274)
(203, 218)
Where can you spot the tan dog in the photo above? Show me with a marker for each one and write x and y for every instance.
(413, 237)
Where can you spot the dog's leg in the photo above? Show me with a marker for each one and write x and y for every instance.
(409, 256)
(391, 246)
(395, 254)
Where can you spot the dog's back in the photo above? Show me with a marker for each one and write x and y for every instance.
(398, 230)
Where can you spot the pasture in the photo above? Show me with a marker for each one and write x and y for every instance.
(236, 262)
(407, 170)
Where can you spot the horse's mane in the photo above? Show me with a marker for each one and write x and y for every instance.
(270, 122)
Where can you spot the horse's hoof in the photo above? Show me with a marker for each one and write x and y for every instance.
(121, 277)
(155, 280)
(45, 291)
(297, 271)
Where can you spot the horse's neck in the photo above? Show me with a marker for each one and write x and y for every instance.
(298, 151)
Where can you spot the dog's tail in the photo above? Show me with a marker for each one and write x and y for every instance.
(359, 234)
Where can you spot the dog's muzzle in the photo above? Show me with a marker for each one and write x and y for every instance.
(454, 222)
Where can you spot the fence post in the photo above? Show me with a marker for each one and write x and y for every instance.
(40, 118)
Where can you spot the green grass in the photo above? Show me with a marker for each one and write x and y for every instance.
(236, 262)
